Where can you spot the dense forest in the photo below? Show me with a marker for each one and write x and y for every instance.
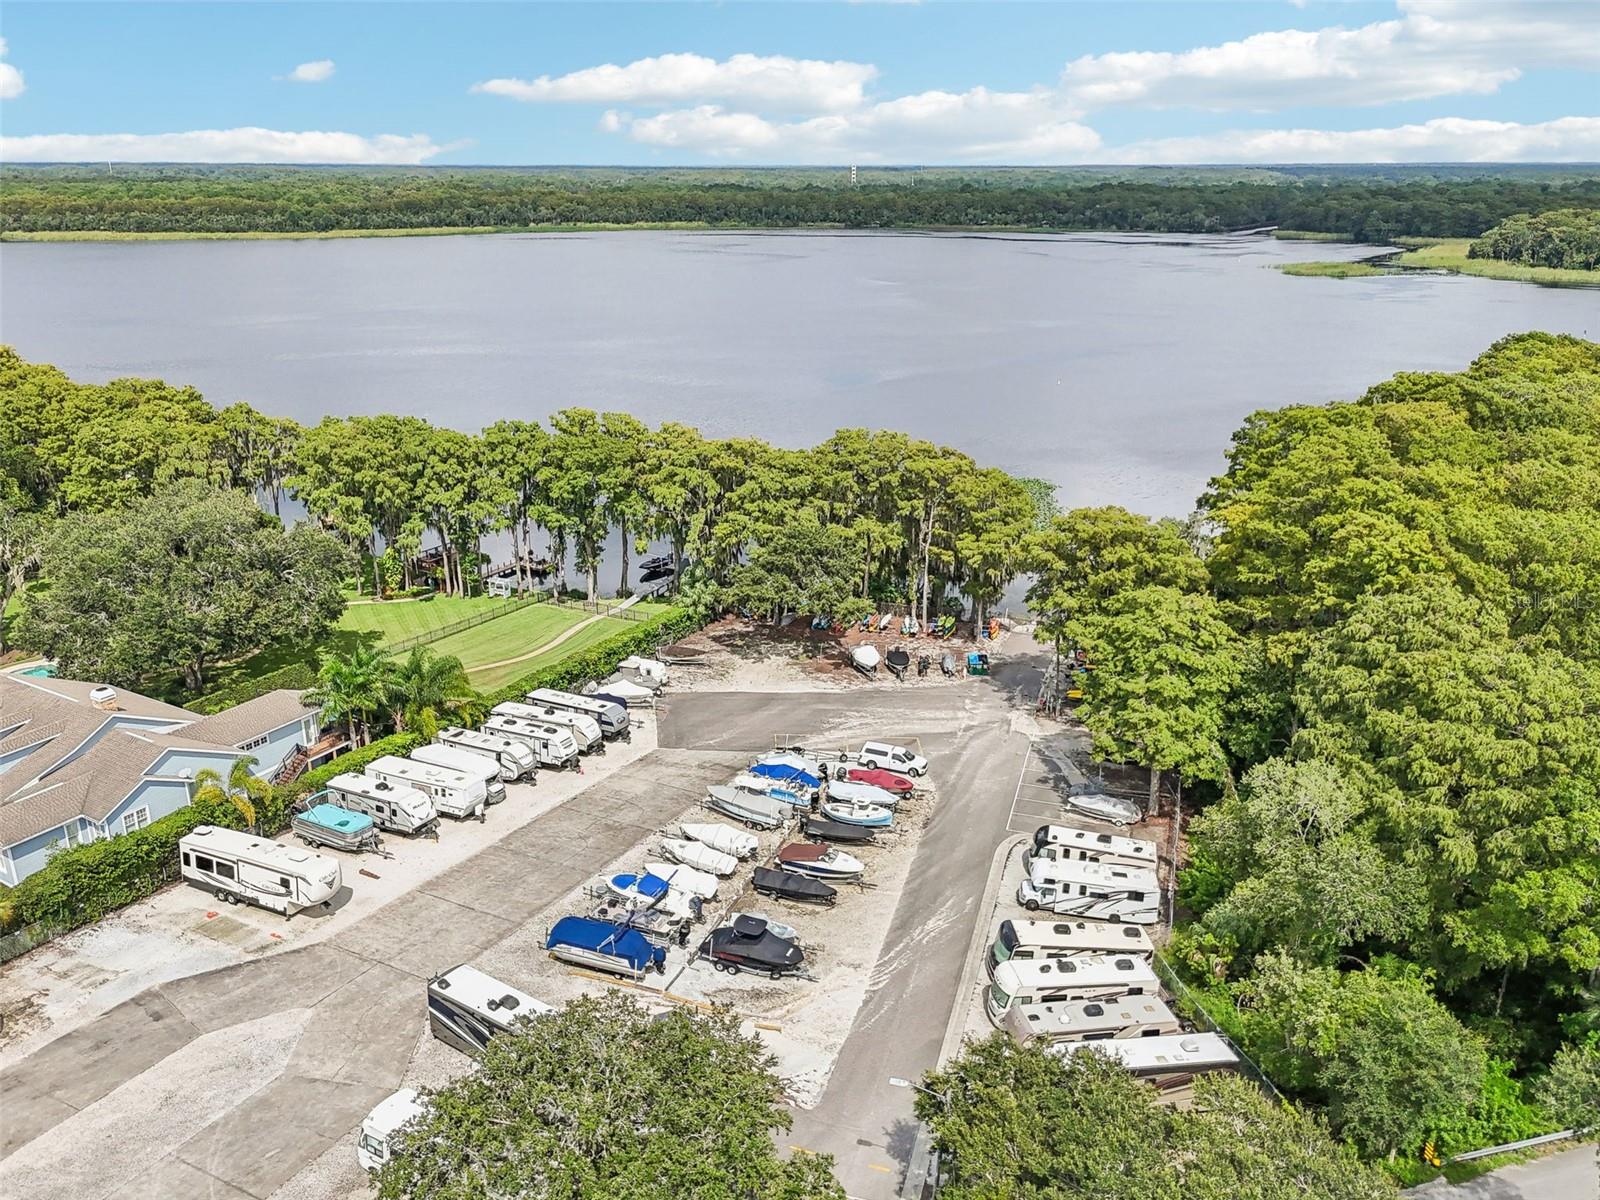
(1368, 205)
(1566, 237)
(1374, 656)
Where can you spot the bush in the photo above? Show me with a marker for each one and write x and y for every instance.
(1502, 1115)
(296, 676)
(602, 658)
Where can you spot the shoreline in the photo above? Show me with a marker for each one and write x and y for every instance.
(1448, 255)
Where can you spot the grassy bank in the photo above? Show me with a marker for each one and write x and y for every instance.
(1309, 235)
(1451, 255)
(102, 235)
(1331, 270)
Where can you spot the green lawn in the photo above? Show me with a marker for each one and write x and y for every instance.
(489, 679)
(395, 620)
(508, 636)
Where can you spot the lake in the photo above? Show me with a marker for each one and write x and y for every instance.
(1114, 365)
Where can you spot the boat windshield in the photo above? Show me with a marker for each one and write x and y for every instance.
(999, 997)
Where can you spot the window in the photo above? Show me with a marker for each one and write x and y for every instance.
(224, 870)
(254, 742)
(136, 818)
(186, 858)
(202, 863)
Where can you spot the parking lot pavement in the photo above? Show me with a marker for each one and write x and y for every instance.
(337, 1021)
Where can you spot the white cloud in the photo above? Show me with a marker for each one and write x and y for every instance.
(1445, 139)
(1435, 48)
(11, 84)
(318, 71)
(977, 125)
(788, 84)
(245, 145)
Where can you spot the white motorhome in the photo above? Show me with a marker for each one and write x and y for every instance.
(474, 766)
(382, 1123)
(454, 793)
(395, 807)
(1169, 1064)
(585, 730)
(466, 1008)
(1091, 1020)
(610, 716)
(1059, 980)
(242, 868)
(1027, 941)
(554, 746)
(516, 759)
(1098, 891)
(1058, 843)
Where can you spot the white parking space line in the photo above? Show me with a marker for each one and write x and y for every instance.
(1011, 817)
(1032, 804)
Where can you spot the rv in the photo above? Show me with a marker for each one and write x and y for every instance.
(516, 759)
(1027, 941)
(382, 1123)
(609, 715)
(242, 868)
(1060, 843)
(393, 807)
(585, 730)
(1098, 891)
(1090, 1020)
(1058, 980)
(473, 766)
(554, 746)
(454, 793)
(1169, 1064)
(466, 1008)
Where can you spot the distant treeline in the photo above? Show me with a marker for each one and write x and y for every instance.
(1568, 237)
(1367, 205)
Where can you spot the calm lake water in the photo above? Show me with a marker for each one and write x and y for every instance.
(1117, 366)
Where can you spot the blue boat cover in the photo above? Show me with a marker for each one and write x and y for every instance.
(342, 820)
(785, 773)
(652, 886)
(605, 938)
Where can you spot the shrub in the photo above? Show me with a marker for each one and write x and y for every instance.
(296, 676)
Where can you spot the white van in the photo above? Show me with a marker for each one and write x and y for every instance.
(1058, 843)
(1059, 980)
(584, 730)
(395, 807)
(1027, 941)
(610, 716)
(555, 746)
(1098, 891)
(516, 759)
(474, 766)
(240, 867)
(1091, 1020)
(454, 793)
(382, 1123)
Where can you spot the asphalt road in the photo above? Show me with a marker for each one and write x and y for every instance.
(976, 756)
(1570, 1175)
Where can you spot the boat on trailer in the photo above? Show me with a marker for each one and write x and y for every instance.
(685, 879)
(761, 811)
(786, 885)
(863, 793)
(639, 892)
(794, 795)
(837, 831)
(865, 659)
(721, 837)
(879, 778)
(699, 856)
(851, 812)
(749, 944)
(603, 946)
(788, 775)
(819, 861)
(329, 825)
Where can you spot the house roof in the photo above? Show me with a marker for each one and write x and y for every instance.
(77, 692)
(252, 718)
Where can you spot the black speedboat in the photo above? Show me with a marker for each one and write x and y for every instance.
(836, 831)
(748, 945)
(786, 885)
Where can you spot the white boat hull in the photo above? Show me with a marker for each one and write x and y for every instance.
(862, 793)
(685, 879)
(722, 837)
(699, 856)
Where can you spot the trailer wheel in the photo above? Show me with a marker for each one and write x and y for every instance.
(225, 896)
(776, 974)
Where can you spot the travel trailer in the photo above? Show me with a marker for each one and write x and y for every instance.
(1058, 843)
(474, 766)
(394, 807)
(1090, 1020)
(454, 793)
(466, 1008)
(516, 759)
(1169, 1064)
(585, 730)
(241, 868)
(1097, 891)
(1058, 980)
(1026, 941)
(553, 745)
(610, 716)
(382, 1123)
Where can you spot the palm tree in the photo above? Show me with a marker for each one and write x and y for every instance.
(242, 788)
(351, 688)
(422, 683)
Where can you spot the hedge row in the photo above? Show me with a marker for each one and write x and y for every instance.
(81, 884)
(297, 676)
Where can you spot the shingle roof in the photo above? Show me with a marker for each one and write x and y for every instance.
(252, 718)
(44, 809)
(76, 692)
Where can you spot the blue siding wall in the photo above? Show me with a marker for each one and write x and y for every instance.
(29, 855)
(163, 796)
(279, 743)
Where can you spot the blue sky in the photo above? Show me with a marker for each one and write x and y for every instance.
(681, 83)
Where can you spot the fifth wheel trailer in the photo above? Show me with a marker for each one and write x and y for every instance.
(241, 868)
